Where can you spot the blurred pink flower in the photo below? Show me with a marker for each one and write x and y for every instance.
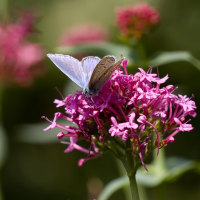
(136, 20)
(18, 57)
(83, 33)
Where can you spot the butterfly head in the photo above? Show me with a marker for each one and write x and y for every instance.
(89, 92)
(85, 92)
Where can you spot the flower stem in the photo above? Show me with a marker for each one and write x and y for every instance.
(131, 168)
(122, 173)
(134, 187)
(142, 52)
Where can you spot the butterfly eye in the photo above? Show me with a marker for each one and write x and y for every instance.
(86, 92)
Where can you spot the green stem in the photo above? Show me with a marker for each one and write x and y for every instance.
(142, 53)
(134, 187)
(122, 173)
(131, 168)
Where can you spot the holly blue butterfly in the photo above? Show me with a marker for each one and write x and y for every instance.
(90, 73)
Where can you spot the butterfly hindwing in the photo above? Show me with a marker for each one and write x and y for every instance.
(105, 63)
(104, 77)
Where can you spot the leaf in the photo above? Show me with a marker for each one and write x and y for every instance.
(151, 178)
(174, 168)
(34, 134)
(3, 146)
(178, 166)
(113, 186)
(101, 49)
(174, 56)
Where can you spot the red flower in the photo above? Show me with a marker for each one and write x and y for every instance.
(134, 21)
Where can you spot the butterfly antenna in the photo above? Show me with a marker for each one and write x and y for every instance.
(59, 93)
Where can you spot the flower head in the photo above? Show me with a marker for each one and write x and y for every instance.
(131, 113)
(18, 57)
(83, 33)
(134, 21)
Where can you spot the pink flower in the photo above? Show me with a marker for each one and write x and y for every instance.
(130, 112)
(83, 33)
(18, 57)
(122, 129)
(134, 21)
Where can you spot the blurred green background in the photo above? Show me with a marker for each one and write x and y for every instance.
(35, 166)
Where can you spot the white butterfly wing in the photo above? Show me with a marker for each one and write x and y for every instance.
(69, 66)
(89, 63)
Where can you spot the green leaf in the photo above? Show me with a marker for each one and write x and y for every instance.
(3, 146)
(174, 56)
(34, 133)
(174, 168)
(178, 166)
(113, 186)
(101, 49)
(151, 178)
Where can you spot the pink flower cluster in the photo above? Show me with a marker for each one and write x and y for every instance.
(83, 33)
(17, 55)
(134, 21)
(131, 110)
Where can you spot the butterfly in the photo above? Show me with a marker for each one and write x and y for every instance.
(91, 73)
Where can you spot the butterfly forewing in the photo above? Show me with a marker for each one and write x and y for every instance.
(104, 77)
(105, 63)
(69, 66)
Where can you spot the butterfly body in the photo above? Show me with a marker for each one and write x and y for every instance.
(90, 74)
